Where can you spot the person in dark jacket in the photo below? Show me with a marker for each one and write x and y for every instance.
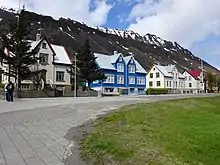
(10, 89)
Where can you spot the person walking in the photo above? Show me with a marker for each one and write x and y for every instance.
(10, 90)
(6, 92)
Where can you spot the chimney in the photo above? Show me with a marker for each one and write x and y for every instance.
(115, 52)
(38, 37)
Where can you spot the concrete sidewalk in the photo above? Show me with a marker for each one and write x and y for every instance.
(32, 130)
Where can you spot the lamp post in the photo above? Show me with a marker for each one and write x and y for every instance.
(75, 82)
(202, 77)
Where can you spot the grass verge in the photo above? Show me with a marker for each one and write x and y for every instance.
(165, 133)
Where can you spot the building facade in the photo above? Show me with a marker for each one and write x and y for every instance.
(124, 75)
(53, 63)
(193, 83)
(166, 77)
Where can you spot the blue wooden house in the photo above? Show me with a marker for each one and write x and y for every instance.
(124, 75)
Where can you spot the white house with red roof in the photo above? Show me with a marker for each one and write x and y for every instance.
(193, 81)
(54, 62)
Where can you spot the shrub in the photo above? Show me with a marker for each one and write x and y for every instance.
(2, 85)
(156, 91)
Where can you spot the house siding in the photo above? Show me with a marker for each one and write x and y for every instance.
(126, 87)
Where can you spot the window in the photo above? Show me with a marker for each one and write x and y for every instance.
(176, 84)
(140, 90)
(190, 85)
(44, 45)
(141, 81)
(120, 67)
(167, 83)
(131, 80)
(157, 74)
(170, 84)
(43, 58)
(131, 69)
(110, 79)
(132, 90)
(189, 78)
(120, 79)
(25, 86)
(151, 75)
(186, 77)
(60, 76)
(150, 83)
(158, 83)
(109, 89)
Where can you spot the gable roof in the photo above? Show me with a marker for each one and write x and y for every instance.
(195, 73)
(60, 54)
(166, 70)
(105, 61)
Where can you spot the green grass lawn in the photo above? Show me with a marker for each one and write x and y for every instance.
(165, 133)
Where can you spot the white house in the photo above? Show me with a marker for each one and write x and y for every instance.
(193, 83)
(54, 62)
(165, 77)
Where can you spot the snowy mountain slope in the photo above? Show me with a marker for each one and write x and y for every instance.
(148, 49)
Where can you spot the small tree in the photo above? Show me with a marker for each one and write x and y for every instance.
(218, 83)
(20, 57)
(87, 67)
(211, 80)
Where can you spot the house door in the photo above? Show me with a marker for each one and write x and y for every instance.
(44, 75)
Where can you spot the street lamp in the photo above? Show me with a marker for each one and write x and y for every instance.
(75, 82)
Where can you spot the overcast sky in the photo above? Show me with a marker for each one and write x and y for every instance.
(195, 24)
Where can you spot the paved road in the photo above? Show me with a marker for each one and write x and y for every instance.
(32, 130)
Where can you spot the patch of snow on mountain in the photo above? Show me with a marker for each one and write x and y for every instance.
(61, 28)
(191, 63)
(155, 47)
(167, 49)
(39, 22)
(93, 32)
(130, 53)
(186, 59)
(110, 42)
(32, 24)
(68, 28)
(125, 47)
(174, 61)
(78, 28)
(1, 19)
(117, 42)
(70, 35)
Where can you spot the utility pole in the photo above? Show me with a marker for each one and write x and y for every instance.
(202, 77)
(75, 82)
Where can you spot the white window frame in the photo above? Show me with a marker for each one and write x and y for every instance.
(131, 68)
(120, 67)
(110, 79)
(43, 58)
(131, 79)
(60, 76)
(140, 80)
(120, 79)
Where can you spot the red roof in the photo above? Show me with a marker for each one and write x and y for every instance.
(195, 73)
